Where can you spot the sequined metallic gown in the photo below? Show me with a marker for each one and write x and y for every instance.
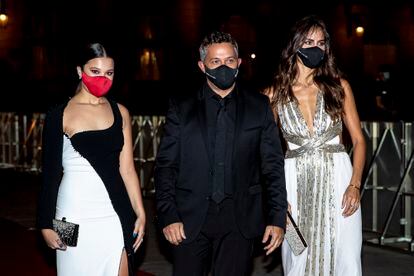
(318, 171)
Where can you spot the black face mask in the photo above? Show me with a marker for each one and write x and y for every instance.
(311, 57)
(223, 76)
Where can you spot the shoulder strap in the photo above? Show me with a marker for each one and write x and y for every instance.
(116, 111)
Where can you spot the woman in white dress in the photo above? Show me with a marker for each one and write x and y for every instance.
(311, 99)
(89, 176)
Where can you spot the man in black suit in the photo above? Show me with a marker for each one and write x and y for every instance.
(219, 172)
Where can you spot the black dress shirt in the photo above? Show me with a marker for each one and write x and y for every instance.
(212, 108)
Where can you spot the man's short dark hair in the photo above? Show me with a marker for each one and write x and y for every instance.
(216, 37)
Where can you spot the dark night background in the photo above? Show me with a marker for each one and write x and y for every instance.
(155, 46)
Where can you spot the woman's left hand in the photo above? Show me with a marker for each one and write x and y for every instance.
(350, 201)
(139, 231)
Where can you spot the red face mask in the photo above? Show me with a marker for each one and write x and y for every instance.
(97, 86)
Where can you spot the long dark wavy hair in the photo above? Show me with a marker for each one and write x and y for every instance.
(327, 77)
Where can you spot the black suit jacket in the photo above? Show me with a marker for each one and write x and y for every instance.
(183, 166)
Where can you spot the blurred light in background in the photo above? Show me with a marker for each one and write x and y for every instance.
(359, 31)
(3, 20)
(3, 16)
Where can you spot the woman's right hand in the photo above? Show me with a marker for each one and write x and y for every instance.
(52, 239)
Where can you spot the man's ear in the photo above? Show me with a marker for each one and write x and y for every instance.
(239, 61)
(201, 66)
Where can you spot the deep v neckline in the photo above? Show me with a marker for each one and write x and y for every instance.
(310, 130)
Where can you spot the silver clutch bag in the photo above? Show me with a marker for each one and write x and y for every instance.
(68, 232)
(294, 237)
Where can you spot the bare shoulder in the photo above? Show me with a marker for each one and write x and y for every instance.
(124, 111)
(346, 86)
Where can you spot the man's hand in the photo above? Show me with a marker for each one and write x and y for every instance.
(174, 233)
(276, 233)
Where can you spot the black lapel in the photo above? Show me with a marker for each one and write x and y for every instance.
(240, 110)
(201, 110)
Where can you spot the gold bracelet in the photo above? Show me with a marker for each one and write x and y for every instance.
(354, 186)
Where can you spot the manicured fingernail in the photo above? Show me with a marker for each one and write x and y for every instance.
(61, 245)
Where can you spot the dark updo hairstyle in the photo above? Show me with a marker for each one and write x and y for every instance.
(91, 51)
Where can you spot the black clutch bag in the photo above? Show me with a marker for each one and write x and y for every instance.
(68, 232)
(294, 237)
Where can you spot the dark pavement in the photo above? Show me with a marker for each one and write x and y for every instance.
(22, 252)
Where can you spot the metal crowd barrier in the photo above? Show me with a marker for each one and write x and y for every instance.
(387, 189)
(20, 141)
(387, 194)
(21, 144)
(146, 133)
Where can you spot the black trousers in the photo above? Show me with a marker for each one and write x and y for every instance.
(219, 241)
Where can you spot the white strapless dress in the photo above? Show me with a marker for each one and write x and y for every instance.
(83, 199)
